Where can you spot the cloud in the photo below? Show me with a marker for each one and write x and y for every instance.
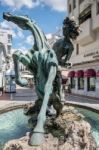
(58, 5)
(17, 4)
(20, 34)
(21, 48)
(4, 24)
(30, 40)
(13, 34)
(48, 36)
(16, 32)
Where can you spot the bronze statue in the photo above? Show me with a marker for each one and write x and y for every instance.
(64, 47)
(43, 62)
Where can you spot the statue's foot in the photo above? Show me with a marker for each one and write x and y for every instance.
(36, 139)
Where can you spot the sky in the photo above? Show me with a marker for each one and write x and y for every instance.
(48, 14)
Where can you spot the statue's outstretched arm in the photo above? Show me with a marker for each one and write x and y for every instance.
(19, 57)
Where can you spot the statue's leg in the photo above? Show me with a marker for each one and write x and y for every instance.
(60, 87)
(19, 57)
(32, 110)
(56, 102)
(37, 137)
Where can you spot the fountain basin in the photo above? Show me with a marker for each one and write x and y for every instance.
(14, 124)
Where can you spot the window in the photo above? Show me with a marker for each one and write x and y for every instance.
(91, 83)
(97, 8)
(9, 38)
(80, 1)
(69, 8)
(74, 4)
(81, 83)
(72, 83)
(77, 49)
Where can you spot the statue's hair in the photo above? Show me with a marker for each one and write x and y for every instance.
(71, 26)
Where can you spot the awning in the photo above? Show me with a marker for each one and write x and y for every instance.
(97, 74)
(79, 73)
(90, 73)
(71, 74)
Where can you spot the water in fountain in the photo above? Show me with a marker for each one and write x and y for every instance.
(13, 125)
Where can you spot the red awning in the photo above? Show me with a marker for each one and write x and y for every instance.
(97, 74)
(71, 74)
(90, 73)
(79, 73)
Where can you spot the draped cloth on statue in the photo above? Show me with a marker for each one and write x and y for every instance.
(43, 61)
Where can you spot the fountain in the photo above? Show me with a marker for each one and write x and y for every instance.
(14, 124)
(64, 129)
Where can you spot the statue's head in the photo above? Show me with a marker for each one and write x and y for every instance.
(21, 21)
(70, 28)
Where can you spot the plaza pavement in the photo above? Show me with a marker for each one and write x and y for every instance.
(83, 101)
(22, 96)
(27, 95)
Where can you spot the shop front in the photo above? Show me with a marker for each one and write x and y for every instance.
(85, 82)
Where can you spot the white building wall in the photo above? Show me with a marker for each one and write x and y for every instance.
(88, 43)
(6, 43)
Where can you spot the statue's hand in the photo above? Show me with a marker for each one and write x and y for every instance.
(22, 82)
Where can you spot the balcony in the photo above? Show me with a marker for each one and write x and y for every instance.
(87, 35)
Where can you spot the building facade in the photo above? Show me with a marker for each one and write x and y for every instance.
(84, 73)
(5, 44)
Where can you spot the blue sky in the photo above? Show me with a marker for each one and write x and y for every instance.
(49, 15)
